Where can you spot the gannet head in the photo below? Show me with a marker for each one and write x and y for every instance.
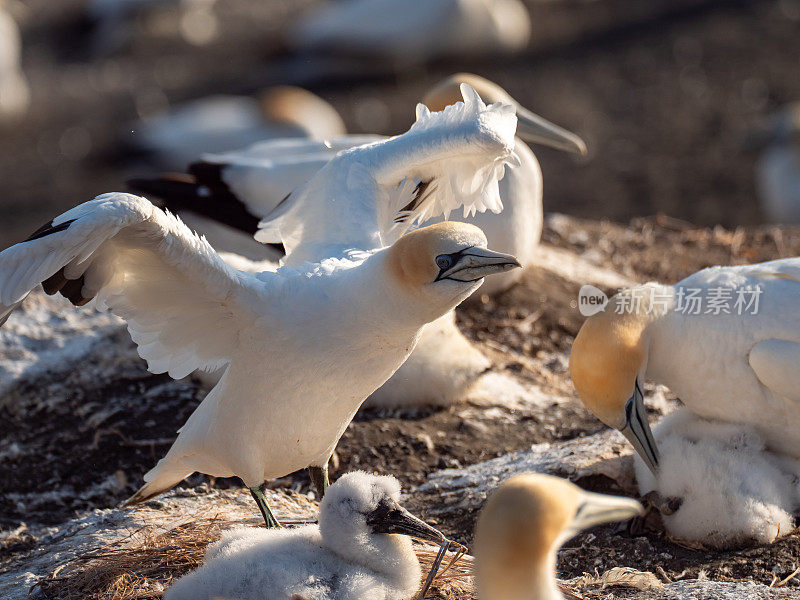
(607, 359)
(522, 526)
(358, 517)
(530, 126)
(443, 264)
(296, 106)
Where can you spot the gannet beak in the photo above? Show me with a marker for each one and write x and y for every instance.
(475, 263)
(390, 517)
(602, 508)
(537, 130)
(637, 429)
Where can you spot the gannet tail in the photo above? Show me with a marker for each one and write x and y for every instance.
(202, 191)
(158, 481)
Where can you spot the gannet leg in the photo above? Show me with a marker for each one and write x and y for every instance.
(319, 476)
(261, 501)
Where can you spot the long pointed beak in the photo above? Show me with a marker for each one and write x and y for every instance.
(537, 130)
(476, 263)
(637, 430)
(390, 517)
(602, 508)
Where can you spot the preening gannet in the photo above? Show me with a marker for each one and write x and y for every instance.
(522, 526)
(415, 31)
(724, 489)
(778, 166)
(725, 340)
(14, 92)
(359, 551)
(236, 189)
(302, 347)
(223, 123)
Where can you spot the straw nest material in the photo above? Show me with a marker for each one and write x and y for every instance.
(144, 565)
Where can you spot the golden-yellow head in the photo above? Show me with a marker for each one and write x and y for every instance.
(440, 265)
(530, 126)
(606, 359)
(521, 527)
(296, 106)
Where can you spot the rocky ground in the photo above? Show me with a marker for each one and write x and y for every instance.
(82, 420)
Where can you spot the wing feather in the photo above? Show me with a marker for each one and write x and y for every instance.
(366, 197)
(179, 298)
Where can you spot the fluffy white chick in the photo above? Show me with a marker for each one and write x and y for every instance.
(732, 491)
(351, 555)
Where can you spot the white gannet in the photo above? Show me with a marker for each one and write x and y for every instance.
(778, 166)
(522, 526)
(234, 190)
(302, 347)
(359, 551)
(415, 31)
(725, 340)
(221, 123)
(720, 485)
(14, 91)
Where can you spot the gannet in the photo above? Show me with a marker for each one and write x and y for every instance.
(234, 190)
(735, 360)
(302, 346)
(359, 551)
(720, 485)
(14, 92)
(221, 123)
(522, 526)
(415, 31)
(778, 167)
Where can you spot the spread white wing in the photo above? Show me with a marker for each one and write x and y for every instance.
(366, 197)
(179, 298)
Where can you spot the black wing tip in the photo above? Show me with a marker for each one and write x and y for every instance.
(48, 229)
(71, 289)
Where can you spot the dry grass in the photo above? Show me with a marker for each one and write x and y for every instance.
(144, 565)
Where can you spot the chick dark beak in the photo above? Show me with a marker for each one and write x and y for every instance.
(390, 517)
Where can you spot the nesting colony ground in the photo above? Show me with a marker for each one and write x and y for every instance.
(83, 423)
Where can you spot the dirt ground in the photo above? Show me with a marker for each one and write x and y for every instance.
(665, 109)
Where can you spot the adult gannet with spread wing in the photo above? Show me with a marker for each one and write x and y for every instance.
(223, 123)
(726, 340)
(415, 31)
(522, 526)
(235, 190)
(303, 347)
(14, 92)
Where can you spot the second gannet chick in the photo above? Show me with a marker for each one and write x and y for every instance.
(523, 525)
(359, 551)
(728, 491)
(725, 340)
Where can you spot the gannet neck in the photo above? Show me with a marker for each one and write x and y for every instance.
(612, 347)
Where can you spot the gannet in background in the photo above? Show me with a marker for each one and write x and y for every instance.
(108, 23)
(720, 485)
(522, 526)
(14, 92)
(414, 31)
(359, 551)
(737, 367)
(303, 347)
(222, 123)
(778, 167)
(235, 190)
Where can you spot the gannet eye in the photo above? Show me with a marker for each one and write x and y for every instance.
(444, 261)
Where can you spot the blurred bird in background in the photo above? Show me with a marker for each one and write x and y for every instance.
(14, 91)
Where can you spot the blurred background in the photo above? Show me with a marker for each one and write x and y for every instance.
(671, 96)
